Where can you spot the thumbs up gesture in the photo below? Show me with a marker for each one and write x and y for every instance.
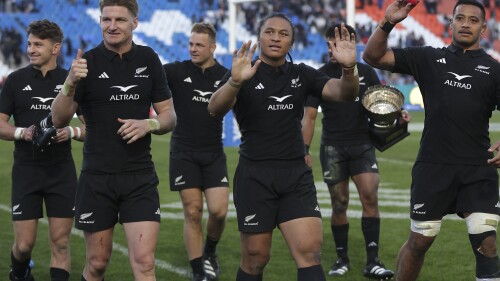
(78, 69)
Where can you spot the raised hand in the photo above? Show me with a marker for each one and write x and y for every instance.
(242, 69)
(398, 11)
(343, 47)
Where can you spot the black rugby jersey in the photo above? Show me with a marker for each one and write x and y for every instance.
(27, 96)
(345, 123)
(191, 90)
(460, 91)
(118, 88)
(269, 110)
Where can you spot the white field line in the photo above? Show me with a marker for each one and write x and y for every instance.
(121, 249)
(388, 197)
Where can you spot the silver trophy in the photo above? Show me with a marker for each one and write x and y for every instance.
(383, 105)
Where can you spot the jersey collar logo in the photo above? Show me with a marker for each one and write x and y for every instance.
(296, 82)
(483, 69)
(58, 88)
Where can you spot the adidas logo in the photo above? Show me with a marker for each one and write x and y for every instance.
(375, 166)
(27, 88)
(443, 61)
(317, 208)
(372, 244)
(158, 212)
(224, 179)
(188, 80)
(259, 87)
(497, 205)
(103, 75)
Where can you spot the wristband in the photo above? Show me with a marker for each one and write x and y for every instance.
(306, 149)
(66, 89)
(386, 25)
(71, 132)
(78, 133)
(234, 84)
(154, 125)
(354, 69)
(18, 133)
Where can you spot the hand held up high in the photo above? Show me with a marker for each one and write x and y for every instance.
(344, 47)
(242, 69)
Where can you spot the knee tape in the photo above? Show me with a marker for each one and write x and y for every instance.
(478, 223)
(426, 228)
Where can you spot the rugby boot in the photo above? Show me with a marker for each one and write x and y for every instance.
(340, 267)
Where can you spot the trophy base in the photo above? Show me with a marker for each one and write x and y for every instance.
(383, 138)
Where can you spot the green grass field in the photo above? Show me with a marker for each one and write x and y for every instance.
(450, 258)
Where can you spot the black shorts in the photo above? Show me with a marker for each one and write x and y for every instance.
(54, 184)
(197, 169)
(441, 189)
(268, 195)
(104, 199)
(341, 162)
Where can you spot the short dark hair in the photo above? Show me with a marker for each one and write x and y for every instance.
(131, 5)
(277, 15)
(473, 3)
(45, 29)
(330, 31)
(205, 28)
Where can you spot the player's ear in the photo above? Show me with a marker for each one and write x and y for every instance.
(135, 23)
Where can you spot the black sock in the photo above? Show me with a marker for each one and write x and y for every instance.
(312, 273)
(371, 232)
(20, 269)
(340, 235)
(58, 274)
(210, 245)
(197, 266)
(243, 276)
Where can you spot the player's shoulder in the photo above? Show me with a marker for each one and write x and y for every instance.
(220, 67)
(21, 72)
(176, 67)
(364, 67)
